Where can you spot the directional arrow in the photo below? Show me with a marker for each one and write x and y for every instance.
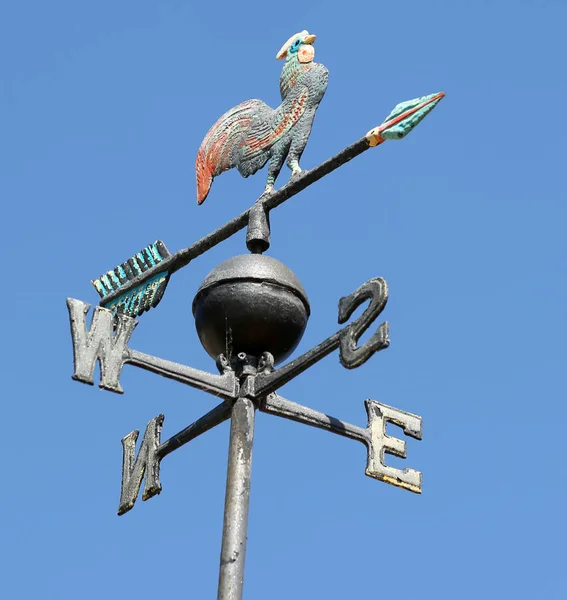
(139, 283)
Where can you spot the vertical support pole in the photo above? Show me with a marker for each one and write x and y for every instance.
(233, 552)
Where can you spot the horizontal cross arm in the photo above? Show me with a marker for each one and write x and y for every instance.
(267, 383)
(147, 463)
(215, 417)
(374, 436)
(276, 405)
(224, 386)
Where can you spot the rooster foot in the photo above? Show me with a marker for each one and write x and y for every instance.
(295, 173)
(267, 191)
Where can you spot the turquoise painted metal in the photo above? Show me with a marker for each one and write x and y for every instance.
(145, 286)
(403, 119)
(412, 113)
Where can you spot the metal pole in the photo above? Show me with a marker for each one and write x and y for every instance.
(233, 552)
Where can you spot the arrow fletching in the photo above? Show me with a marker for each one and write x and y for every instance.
(407, 115)
(136, 285)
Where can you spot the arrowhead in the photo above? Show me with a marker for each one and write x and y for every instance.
(407, 115)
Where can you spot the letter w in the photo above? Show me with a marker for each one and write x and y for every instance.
(99, 343)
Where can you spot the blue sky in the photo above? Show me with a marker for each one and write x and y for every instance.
(103, 106)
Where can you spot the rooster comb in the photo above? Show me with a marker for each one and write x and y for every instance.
(283, 50)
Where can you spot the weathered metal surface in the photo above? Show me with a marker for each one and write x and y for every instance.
(146, 463)
(252, 304)
(352, 356)
(276, 405)
(99, 343)
(249, 267)
(223, 386)
(258, 233)
(266, 383)
(110, 348)
(379, 443)
(373, 437)
(258, 380)
(151, 453)
(375, 290)
(218, 415)
(237, 500)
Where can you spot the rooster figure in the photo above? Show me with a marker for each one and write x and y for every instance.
(251, 134)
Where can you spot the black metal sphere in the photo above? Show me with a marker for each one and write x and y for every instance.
(253, 304)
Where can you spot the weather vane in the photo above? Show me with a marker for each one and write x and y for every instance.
(250, 311)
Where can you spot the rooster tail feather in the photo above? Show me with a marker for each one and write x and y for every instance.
(215, 153)
(204, 174)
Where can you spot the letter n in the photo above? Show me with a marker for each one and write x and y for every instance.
(134, 467)
(99, 343)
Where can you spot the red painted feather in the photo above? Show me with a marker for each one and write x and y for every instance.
(214, 155)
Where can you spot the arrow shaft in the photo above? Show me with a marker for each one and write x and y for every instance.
(272, 200)
(269, 201)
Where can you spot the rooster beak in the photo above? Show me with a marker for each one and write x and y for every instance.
(309, 39)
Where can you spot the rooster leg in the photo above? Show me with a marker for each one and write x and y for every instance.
(293, 160)
(276, 163)
(295, 168)
(300, 137)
